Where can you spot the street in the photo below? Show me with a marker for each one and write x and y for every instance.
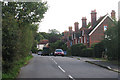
(63, 67)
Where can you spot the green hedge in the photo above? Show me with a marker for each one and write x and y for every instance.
(13, 73)
(80, 50)
(98, 49)
(88, 52)
(76, 50)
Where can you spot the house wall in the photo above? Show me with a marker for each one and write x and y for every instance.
(98, 34)
(40, 46)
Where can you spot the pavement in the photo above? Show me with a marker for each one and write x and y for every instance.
(102, 63)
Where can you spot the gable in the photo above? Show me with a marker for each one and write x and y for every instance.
(99, 23)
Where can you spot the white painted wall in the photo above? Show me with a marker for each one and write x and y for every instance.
(40, 46)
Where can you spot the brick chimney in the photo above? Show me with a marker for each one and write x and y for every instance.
(70, 31)
(113, 14)
(84, 24)
(93, 17)
(76, 26)
(70, 28)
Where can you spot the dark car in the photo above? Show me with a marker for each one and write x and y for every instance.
(45, 51)
(40, 52)
(59, 52)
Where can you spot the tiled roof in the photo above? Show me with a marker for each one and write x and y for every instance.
(97, 22)
(44, 41)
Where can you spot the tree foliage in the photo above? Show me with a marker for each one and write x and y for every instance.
(18, 29)
(111, 42)
(53, 31)
(54, 35)
(58, 45)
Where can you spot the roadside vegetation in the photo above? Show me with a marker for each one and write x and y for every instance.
(14, 71)
(54, 38)
(19, 28)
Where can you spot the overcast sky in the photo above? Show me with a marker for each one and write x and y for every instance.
(63, 13)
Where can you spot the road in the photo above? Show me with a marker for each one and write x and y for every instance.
(63, 67)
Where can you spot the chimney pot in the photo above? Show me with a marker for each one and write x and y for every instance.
(84, 22)
(113, 14)
(76, 26)
(93, 17)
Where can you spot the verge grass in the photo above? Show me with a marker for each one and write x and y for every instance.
(13, 73)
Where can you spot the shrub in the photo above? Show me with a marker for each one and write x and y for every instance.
(87, 52)
(76, 50)
(98, 49)
(69, 52)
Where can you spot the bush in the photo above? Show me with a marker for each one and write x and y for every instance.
(58, 45)
(87, 52)
(69, 52)
(98, 49)
(76, 50)
(14, 70)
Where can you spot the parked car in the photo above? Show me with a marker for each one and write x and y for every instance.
(59, 52)
(40, 52)
(46, 51)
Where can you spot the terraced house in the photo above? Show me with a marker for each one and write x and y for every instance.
(91, 33)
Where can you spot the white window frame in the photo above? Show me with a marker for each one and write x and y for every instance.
(81, 39)
(84, 39)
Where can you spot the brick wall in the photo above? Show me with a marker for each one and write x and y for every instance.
(98, 34)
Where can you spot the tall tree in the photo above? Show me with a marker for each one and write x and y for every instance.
(111, 42)
(54, 35)
(18, 27)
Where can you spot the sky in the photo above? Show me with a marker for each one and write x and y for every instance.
(64, 13)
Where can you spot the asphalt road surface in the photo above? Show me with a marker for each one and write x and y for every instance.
(63, 67)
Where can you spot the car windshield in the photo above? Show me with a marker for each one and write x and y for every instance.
(58, 51)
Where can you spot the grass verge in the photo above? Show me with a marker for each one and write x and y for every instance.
(100, 59)
(78, 58)
(15, 70)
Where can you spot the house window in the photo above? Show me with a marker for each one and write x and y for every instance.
(70, 43)
(82, 32)
(75, 41)
(87, 40)
(81, 40)
(74, 36)
(105, 27)
(84, 39)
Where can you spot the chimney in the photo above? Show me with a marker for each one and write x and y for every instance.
(113, 14)
(70, 28)
(76, 26)
(84, 24)
(93, 17)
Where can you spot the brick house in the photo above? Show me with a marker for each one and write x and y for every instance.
(92, 34)
(43, 43)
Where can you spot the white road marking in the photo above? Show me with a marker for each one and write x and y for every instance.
(52, 58)
(55, 62)
(61, 69)
(71, 77)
